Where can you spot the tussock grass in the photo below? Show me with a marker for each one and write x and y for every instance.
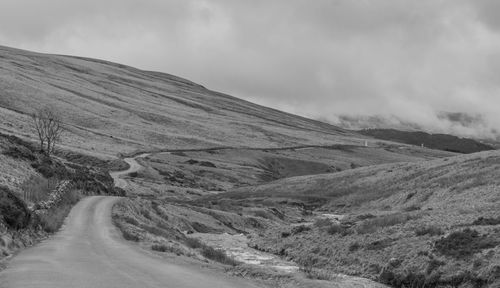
(262, 214)
(157, 209)
(155, 230)
(336, 228)
(379, 244)
(372, 225)
(465, 243)
(486, 221)
(331, 227)
(208, 252)
(318, 274)
(218, 255)
(306, 266)
(167, 248)
(322, 222)
(411, 208)
(20, 152)
(193, 243)
(354, 246)
(300, 229)
(127, 235)
(131, 220)
(428, 230)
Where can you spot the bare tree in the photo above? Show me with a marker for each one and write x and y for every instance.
(49, 128)
(40, 128)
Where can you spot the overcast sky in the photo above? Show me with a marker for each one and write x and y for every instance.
(434, 63)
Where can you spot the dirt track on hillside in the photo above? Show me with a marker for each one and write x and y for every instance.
(134, 166)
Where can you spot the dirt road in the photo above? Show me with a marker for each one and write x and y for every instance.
(89, 252)
(134, 167)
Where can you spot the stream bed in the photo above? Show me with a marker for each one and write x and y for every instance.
(236, 246)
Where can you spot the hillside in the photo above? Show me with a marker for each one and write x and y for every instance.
(434, 141)
(111, 108)
(431, 223)
(435, 182)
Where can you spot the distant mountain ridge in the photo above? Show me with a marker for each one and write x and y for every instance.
(435, 141)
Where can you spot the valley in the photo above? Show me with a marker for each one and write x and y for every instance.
(170, 181)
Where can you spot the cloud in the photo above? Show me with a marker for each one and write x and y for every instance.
(406, 60)
(462, 119)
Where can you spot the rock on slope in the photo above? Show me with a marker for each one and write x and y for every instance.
(110, 107)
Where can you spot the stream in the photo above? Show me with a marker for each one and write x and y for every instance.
(236, 246)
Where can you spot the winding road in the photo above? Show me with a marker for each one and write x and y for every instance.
(90, 252)
(134, 166)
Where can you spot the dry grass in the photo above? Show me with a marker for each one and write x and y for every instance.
(167, 248)
(307, 266)
(148, 222)
(405, 214)
(318, 274)
(430, 230)
(124, 108)
(463, 244)
(218, 255)
(193, 243)
(486, 221)
(130, 236)
(52, 219)
(372, 225)
(13, 211)
(38, 188)
(330, 227)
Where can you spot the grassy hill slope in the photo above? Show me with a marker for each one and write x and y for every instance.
(112, 108)
(435, 182)
(424, 224)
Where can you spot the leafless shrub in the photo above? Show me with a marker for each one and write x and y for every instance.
(49, 128)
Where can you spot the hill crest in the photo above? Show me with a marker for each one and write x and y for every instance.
(111, 108)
